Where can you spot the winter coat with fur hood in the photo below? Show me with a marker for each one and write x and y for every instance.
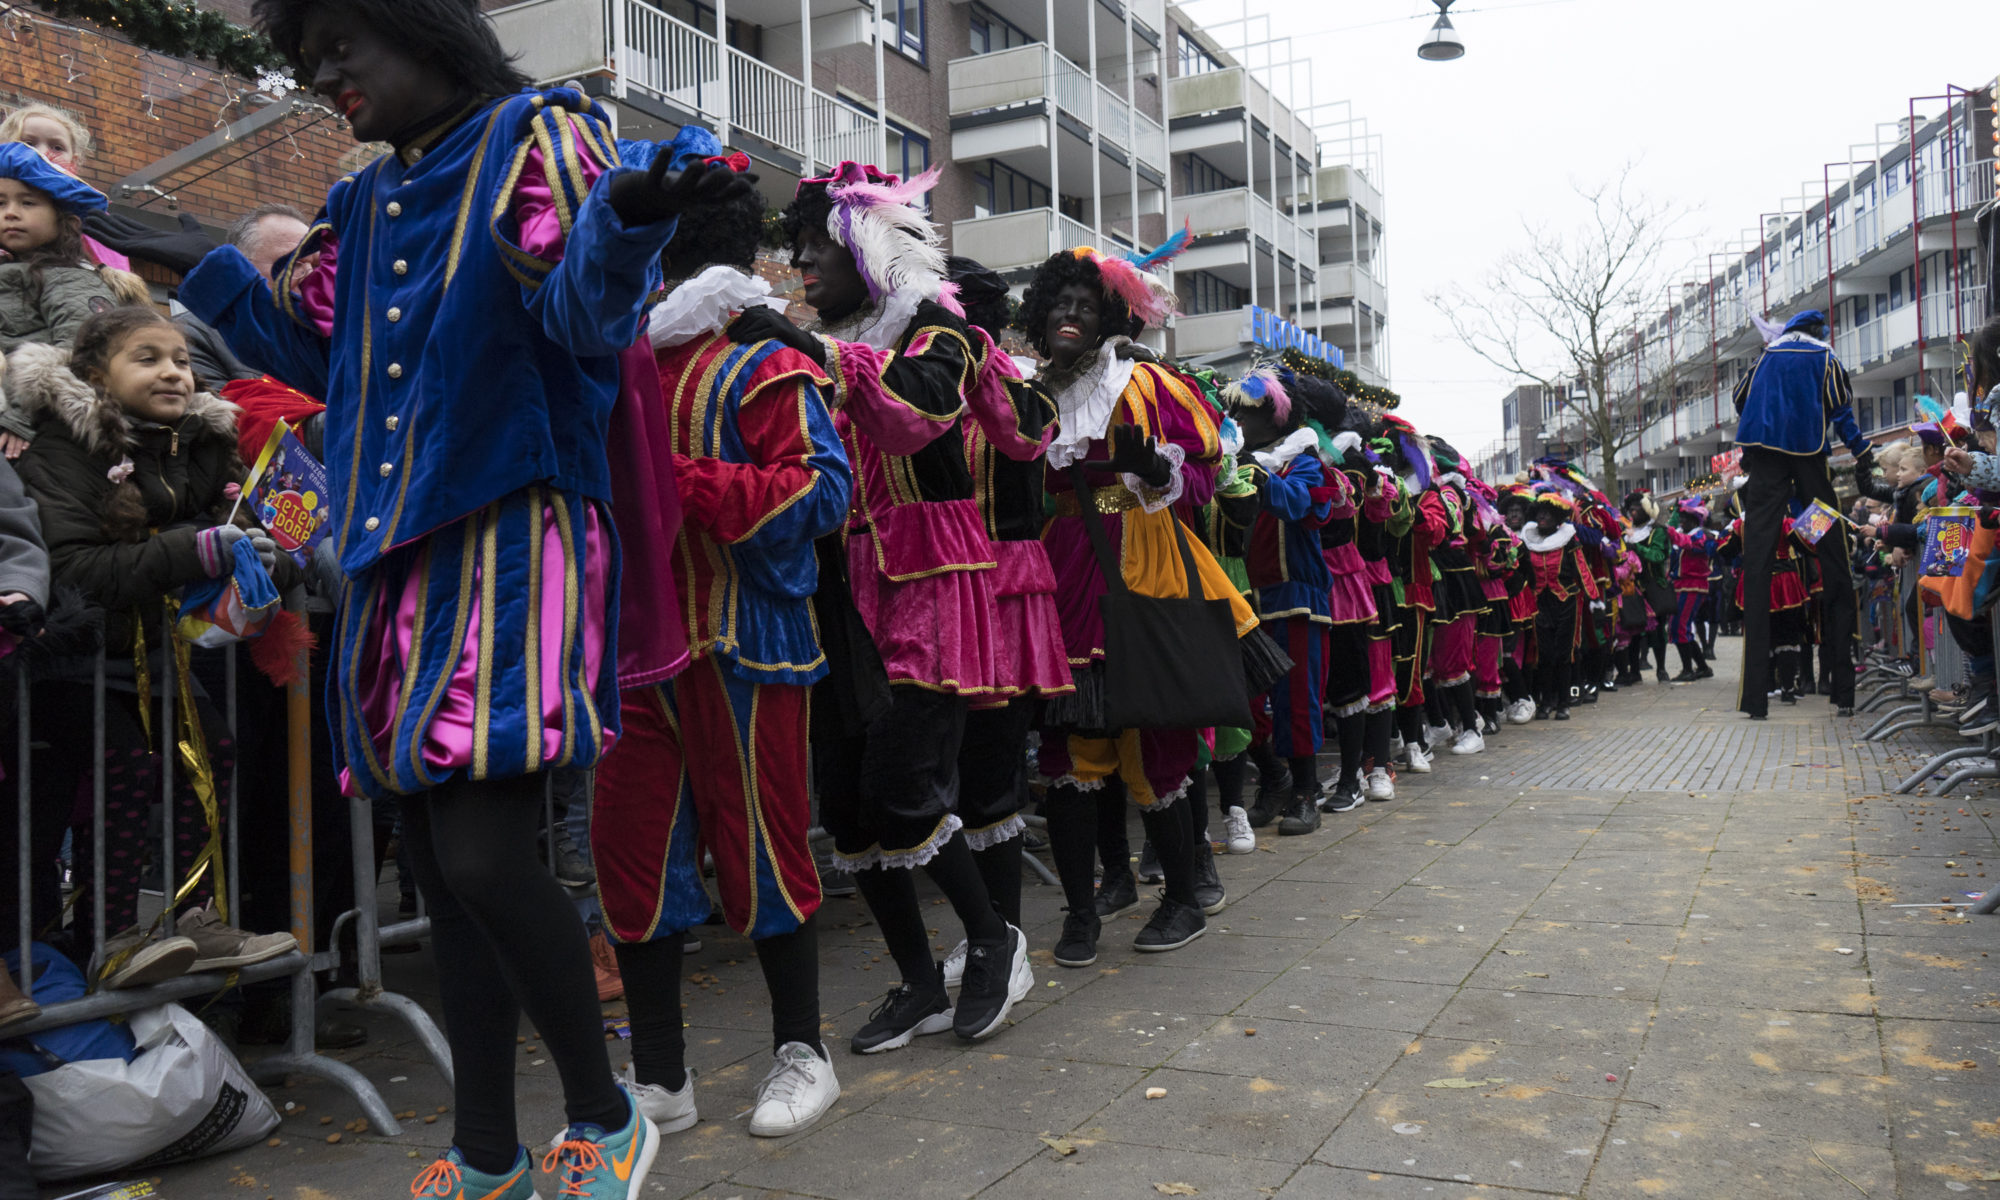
(123, 545)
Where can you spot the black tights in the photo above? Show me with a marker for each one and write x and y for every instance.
(652, 975)
(891, 893)
(1075, 819)
(506, 939)
(1230, 775)
(1381, 723)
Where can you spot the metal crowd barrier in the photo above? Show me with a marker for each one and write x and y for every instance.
(1938, 660)
(299, 1057)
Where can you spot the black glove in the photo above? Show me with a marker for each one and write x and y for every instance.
(130, 236)
(1137, 352)
(23, 617)
(1132, 453)
(649, 197)
(761, 324)
(1864, 464)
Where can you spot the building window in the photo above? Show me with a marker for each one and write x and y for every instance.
(1896, 290)
(909, 19)
(909, 154)
(998, 188)
(1864, 413)
(992, 32)
(1897, 410)
(1193, 59)
(1211, 294)
(1199, 175)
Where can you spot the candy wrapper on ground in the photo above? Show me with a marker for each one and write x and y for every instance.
(1947, 540)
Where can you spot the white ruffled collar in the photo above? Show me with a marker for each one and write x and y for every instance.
(1533, 539)
(1084, 409)
(879, 325)
(1638, 535)
(703, 303)
(1276, 458)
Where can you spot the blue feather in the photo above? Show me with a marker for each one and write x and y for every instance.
(1169, 249)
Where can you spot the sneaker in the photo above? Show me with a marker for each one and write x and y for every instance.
(1437, 734)
(1978, 708)
(1977, 727)
(224, 947)
(1704, 671)
(594, 1163)
(954, 964)
(690, 942)
(1468, 742)
(1237, 825)
(1149, 864)
(1208, 890)
(1117, 894)
(1172, 926)
(1381, 785)
(1342, 796)
(797, 1092)
(1662, 676)
(1521, 711)
(1301, 815)
(991, 975)
(1419, 760)
(1562, 714)
(1077, 947)
(1489, 725)
(904, 1015)
(1271, 795)
(669, 1111)
(131, 961)
(604, 965)
(1922, 683)
(450, 1178)
(833, 881)
(571, 869)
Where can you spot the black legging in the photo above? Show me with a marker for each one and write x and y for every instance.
(506, 939)
(651, 972)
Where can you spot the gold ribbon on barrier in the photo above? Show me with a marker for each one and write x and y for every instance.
(192, 745)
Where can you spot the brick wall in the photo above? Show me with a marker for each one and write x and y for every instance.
(141, 106)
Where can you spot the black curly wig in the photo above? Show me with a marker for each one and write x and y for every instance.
(728, 234)
(982, 292)
(1319, 399)
(451, 36)
(1062, 269)
(810, 209)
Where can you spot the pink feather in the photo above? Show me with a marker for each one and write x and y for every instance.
(1146, 296)
(887, 190)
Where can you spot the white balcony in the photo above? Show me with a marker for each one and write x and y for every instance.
(1237, 88)
(1210, 333)
(1018, 239)
(1337, 280)
(1023, 75)
(646, 53)
(1211, 213)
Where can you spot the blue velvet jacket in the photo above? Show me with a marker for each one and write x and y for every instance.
(461, 367)
(1797, 397)
(1287, 569)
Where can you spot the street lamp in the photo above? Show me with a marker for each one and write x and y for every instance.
(1443, 44)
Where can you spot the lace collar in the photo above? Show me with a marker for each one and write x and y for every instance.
(1533, 538)
(1276, 458)
(1085, 405)
(703, 303)
(1639, 535)
(879, 324)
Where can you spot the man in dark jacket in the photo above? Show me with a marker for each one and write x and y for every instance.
(1788, 407)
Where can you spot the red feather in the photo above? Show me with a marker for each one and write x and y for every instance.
(276, 653)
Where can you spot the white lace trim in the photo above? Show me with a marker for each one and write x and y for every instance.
(1153, 501)
(910, 860)
(1165, 802)
(1071, 781)
(1531, 537)
(1799, 337)
(878, 325)
(994, 835)
(1084, 408)
(703, 304)
(1639, 535)
(1276, 458)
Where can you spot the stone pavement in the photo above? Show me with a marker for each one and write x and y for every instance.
(1649, 952)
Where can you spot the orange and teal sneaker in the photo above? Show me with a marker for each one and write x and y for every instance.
(591, 1163)
(450, 1178)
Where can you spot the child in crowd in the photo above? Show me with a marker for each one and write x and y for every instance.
(61, 137)
(132, 470)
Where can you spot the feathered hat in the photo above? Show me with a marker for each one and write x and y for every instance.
(1411, 446)
(1257, 389)
(1130, 277)
(1643, 499)
(895, 246)
(1691, 506)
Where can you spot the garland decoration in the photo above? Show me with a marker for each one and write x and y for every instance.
(179, 28)
(1377, 397)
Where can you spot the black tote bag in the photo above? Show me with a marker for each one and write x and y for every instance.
(1168, 663)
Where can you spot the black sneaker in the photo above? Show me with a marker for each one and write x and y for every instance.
(1173, 925)
(1270, 798)
(1077, 947)
(1562, 714)
(1117, 894)
(1704, 672)
(1662, 676)
(1301, 816)
(570, 868)
(1149, 863)
(1207, 880)
(987, 993)
(905, 1014)
(1343, 797)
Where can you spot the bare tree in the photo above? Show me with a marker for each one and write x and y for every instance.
(1560, 309)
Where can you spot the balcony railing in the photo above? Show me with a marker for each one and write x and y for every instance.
(1022, 74)
(1240, 208)
(1019, 239)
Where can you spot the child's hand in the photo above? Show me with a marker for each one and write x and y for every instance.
(12, 444)
(652, 197)
(216, 548)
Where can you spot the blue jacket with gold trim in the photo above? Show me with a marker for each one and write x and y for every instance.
(460, 367)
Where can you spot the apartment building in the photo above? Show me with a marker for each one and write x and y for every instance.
(1523, 413)
(1886, 245)
(1099, 122)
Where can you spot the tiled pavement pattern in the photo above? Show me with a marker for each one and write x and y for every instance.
(1656, 940)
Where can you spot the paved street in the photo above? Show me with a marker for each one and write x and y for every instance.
(1649, 952)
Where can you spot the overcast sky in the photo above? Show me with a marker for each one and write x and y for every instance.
(1725, 106)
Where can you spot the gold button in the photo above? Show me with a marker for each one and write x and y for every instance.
(395, 314)
(402, 266)
(386, 469)
(395, 208)
(371, 524)
(416, 156)
(395, 372)
(391, 424)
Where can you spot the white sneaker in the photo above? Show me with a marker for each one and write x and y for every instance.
(1241, 839)
(1521, 711)
(1420, 762)
(1395, 745)
(1380, 786)
(1437, 735)
(954, 965)
(1468, 742)
(797, 1092)
(671, 1112)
